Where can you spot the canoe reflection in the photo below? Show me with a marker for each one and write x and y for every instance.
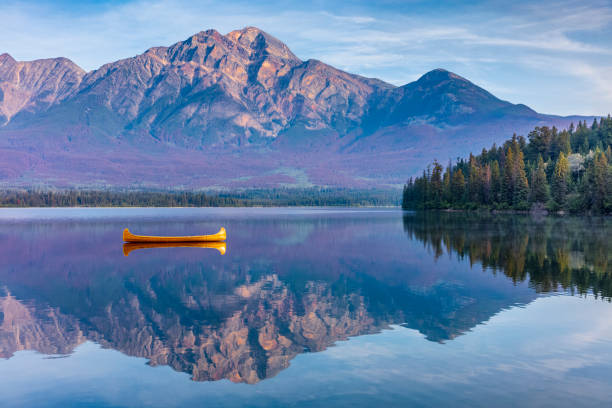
(219, 246)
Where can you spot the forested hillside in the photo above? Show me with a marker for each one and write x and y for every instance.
(568, 170)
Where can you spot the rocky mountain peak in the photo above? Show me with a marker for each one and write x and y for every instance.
(440, 75)
(203, 35)
(262, 44)
(35, 85)
(451, 97)
(64, 63)
(4, 58)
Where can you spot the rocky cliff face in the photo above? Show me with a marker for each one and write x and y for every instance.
(241, 88)
(33, 86)
(215, 95)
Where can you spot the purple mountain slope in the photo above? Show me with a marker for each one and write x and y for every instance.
(236, 111)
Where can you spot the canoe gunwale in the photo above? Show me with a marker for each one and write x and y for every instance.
(131, 238)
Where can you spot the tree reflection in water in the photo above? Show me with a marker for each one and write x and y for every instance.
(551, 253)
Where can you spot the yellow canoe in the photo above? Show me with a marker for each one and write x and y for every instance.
(219, 236)
(129, 247)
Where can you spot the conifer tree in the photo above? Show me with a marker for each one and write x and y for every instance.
(521, 186)
(539, 185)
(446, 184)
(508, 185)
(435, 185)
(458, 186)
(598, 176)
(486, 184)
(474, 187)
(560, 180)
(496, 182)
(564, 142)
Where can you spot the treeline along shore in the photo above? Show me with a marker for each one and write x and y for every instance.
(560, 171)
(247, 198)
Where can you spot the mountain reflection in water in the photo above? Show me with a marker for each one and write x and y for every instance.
(291, 284)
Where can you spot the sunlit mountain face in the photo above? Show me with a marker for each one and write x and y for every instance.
(284, 284)
(236, 110)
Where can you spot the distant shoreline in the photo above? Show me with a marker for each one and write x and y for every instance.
(536, 213)
(312, 197)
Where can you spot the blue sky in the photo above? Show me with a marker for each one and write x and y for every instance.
(553, 56)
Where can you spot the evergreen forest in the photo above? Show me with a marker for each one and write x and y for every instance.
(248, 198)
(568, 170)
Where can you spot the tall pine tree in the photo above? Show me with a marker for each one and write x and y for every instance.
(458, 186)
(539, 184)
(560, 181)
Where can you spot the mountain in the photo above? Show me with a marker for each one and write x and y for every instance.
(35, 86)
(235, 110)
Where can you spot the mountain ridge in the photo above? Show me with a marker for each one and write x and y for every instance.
(244, 93)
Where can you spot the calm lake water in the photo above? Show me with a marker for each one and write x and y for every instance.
(304, 307)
